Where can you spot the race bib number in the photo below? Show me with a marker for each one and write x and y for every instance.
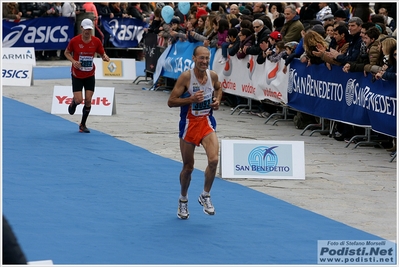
(86, 62)
(203, 108)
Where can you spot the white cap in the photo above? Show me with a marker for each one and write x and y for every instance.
(87, 24)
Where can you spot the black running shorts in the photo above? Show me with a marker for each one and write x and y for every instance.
(86, 83)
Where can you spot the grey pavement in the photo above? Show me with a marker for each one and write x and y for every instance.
(357, 187)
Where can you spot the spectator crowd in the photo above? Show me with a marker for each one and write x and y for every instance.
(358, 37)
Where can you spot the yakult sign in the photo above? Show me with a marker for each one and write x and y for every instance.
(103, 101)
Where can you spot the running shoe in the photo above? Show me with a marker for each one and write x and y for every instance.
(206, 202)
(182, 210)
(72, 108)
(83, 129)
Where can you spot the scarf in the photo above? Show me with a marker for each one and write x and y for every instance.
(139, 9)
(340, 44)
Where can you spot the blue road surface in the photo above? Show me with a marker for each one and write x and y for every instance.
(78, 198)
(93, 199)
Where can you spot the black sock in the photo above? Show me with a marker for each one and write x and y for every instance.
(85, 114)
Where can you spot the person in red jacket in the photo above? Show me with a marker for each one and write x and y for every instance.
(81, 51)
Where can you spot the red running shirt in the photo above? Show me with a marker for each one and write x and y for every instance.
(84, 53)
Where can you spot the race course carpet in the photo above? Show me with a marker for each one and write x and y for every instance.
(77, 198)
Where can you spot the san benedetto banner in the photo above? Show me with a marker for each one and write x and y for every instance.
(262, 159)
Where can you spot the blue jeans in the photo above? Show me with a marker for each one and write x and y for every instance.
(225, 45)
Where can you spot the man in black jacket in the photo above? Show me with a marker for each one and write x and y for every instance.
(354, 26)
(261, 32)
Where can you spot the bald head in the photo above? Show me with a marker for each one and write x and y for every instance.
(234, 9)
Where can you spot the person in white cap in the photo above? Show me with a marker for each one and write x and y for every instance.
(81, 51)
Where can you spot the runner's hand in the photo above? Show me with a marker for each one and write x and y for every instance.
(198, 97)
(105, 58)
(215, 104)
(77, 65)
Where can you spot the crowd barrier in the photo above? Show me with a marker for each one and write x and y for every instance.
(331, 94)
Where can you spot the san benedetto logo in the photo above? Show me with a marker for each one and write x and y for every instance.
(263, 159)
(349, 91)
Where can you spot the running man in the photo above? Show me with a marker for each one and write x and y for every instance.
(81, 51)
(197, 92)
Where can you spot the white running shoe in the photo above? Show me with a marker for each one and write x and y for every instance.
(182, 210)
(206, 202)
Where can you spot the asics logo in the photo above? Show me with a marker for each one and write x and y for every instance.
(125, 32)
(19, 74)
(32, 35)
(13, 36)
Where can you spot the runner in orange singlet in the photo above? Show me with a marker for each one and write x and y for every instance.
(197, 92)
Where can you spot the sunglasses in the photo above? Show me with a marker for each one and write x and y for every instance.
(255, 27)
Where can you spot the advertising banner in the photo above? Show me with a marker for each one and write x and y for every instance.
(348, 97)
(116, 69)
(103, 101)
(331, 94)
(15, 55)
(262, 159)
(17, 74)
(46, 33)
(246, 78)
(124, 32)
(179, 58)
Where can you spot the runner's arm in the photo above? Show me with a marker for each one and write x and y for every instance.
(217, 96)
(180, 87)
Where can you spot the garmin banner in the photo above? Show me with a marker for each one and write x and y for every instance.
(124, 32)
(45, 33)
(348, 97)
(179, 58)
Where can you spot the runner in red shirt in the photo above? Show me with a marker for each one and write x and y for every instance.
(81, 51)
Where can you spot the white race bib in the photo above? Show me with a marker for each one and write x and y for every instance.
(203, 108)
(86, 62)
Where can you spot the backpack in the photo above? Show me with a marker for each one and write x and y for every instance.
(301, 120)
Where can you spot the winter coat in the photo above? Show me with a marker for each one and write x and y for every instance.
(353, 50)
(222, 38)
(291, 30)
(247, 42)
(201, 38)
(375, 55)
(341, 50)
(234, 49)
(68, 10)
(361, 61)
(390, 73)
(255, 48)
(276, 57)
